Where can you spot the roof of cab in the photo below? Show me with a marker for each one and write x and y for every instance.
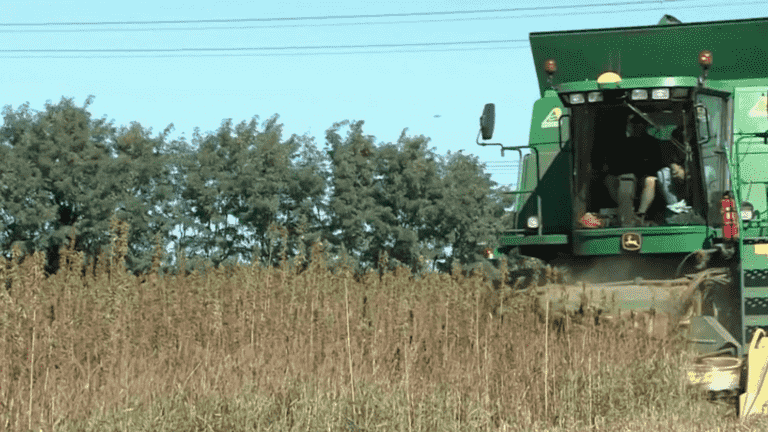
(738, 48)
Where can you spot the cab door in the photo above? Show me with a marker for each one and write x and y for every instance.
(714, 113)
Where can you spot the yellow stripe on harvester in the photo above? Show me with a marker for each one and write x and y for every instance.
(753, 401)
(760, 109)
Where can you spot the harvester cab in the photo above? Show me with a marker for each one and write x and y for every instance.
(646, 158)
(645, 174)
(608, 161)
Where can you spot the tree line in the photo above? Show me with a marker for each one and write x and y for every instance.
(242, 193)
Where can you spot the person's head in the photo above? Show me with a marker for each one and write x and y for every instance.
(678, 173)
(675, 160)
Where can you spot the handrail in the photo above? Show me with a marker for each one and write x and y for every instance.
(560, 130)
(763, 135)
(519, 150)
(534, 149)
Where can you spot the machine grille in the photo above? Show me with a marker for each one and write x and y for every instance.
(756, 278)
(756, 306)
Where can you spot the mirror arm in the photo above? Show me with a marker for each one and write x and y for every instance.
(477, 141)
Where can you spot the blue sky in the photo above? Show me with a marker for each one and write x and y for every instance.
(436, 90)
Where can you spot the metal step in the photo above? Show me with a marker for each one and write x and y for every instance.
(756, 320)
(756, 305)
(754, 285)
(755, 278)
(754, 261)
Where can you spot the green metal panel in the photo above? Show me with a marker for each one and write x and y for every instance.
(545, 118)
(553, 166)
(750, 109)
(750, 164)
(554, 188)
(755, 256)
(519, 240)
(738, 48)
(751, 160)
(666, 239)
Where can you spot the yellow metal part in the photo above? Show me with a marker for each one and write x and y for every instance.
(715, 373)
(608, 78)
(753, 401)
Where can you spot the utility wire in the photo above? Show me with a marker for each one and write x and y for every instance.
(359, 23)
(198, 52)
(196, 55)
(273, 48)
(327, 17)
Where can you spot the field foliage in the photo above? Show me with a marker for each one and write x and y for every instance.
(313, 348)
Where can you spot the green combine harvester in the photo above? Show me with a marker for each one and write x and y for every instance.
(646, 176)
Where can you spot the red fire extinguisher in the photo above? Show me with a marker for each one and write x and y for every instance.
(730, 223)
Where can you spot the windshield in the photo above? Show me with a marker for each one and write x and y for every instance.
(636, 164)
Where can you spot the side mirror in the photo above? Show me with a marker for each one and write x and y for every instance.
(488, 121)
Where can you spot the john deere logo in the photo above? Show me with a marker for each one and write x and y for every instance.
(631, 241)
(552, 119)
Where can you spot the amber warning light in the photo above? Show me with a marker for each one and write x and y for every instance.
(705, 59)
(550, 66)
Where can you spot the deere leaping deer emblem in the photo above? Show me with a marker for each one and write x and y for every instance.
(631, 241)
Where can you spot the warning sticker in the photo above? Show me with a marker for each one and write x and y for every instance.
(760, 109)
(551, 120)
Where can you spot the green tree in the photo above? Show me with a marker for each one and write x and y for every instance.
(305, 205)
(410, 187)
(63, 172)
(355, 213)
(144, 165)
(469, 212)
(55, 175)
(217, 176)
(242, 181)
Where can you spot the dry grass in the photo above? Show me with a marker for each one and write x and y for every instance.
(266, 349)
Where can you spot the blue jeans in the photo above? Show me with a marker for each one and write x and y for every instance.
(666, 185)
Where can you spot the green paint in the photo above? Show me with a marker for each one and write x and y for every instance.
(738, 49)
(668, 239)
(648, 57)
(733, 157)
(519, 240)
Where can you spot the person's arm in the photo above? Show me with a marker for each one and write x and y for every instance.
(664, 176)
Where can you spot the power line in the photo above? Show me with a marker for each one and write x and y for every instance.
(359, 23)
(196, 55)
(273, 48)
(327, 17)
(197, 52)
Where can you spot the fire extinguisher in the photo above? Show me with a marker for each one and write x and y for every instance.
(730, 223)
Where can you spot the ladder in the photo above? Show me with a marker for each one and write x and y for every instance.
(754, 286)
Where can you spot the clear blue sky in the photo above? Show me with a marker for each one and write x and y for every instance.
(435, 90)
